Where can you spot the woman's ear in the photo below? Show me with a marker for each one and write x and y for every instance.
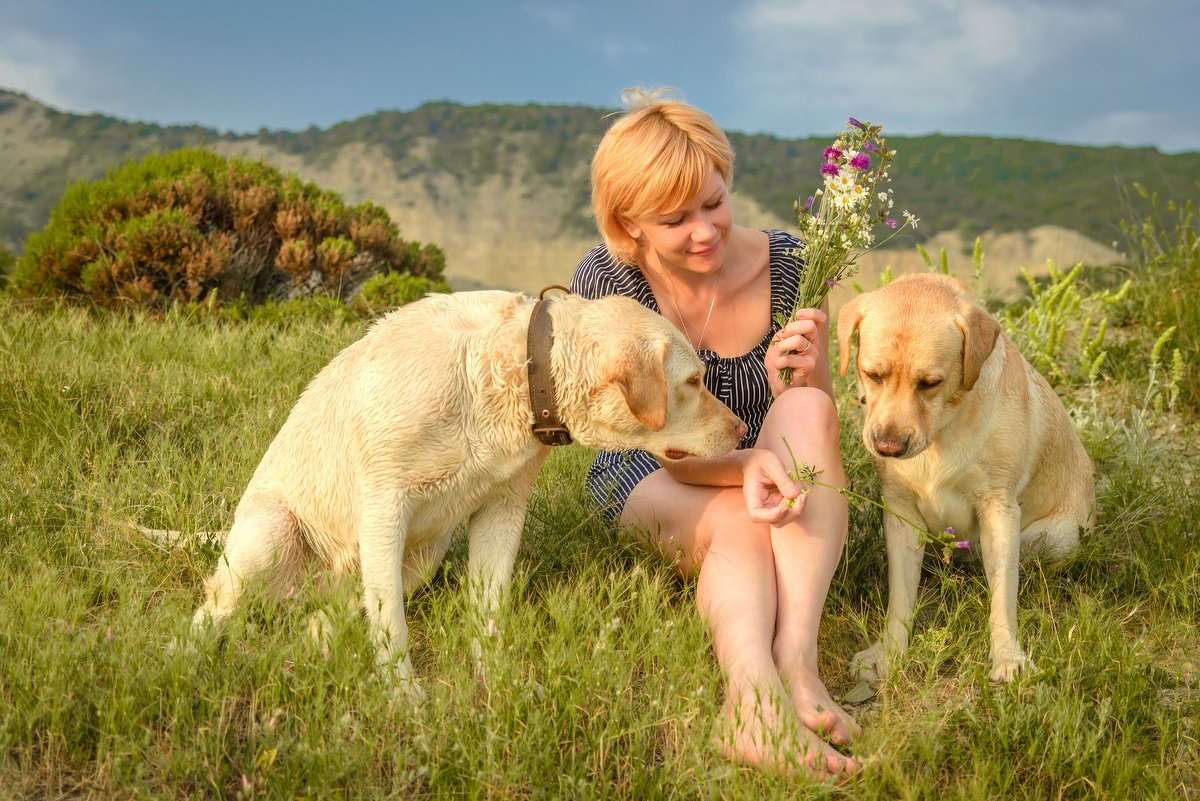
(631, 228)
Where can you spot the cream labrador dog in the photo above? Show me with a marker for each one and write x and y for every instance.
(425, 423)
(965, 435)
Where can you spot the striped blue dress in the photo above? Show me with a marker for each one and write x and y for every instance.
(740, 382)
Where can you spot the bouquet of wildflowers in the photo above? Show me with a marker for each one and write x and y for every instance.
(836, 222)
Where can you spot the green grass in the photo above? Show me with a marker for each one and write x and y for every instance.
(604, 685)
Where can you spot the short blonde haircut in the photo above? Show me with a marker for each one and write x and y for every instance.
(653, 160)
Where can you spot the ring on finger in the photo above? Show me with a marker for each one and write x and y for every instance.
(807, 346)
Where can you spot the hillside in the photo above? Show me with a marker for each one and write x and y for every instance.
(504, 189)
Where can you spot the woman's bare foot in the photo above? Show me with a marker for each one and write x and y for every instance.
(758, 731)
(818, 711)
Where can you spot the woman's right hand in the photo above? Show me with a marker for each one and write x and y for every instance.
(799, 345)
(771, 495)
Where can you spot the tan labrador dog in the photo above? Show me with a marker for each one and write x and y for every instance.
(965, 435)
(425, 423)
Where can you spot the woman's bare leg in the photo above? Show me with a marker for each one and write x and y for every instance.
(807, 553)
(707, 528)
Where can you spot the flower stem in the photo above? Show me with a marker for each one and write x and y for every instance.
(803, 472)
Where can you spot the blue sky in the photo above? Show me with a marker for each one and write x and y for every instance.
(1083, 71)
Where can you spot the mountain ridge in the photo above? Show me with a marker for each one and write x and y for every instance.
(503, 189)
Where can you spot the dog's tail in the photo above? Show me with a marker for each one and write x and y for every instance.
(170, 540)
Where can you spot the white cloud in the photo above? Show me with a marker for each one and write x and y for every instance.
(561, 17)
(46, 70)
(618, 50)
(930, 60)
(1170, 132)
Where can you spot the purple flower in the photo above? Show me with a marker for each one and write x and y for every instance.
(949, 532)
(963, 544)
(830, 282)
(890, 223)
(829, 169)
(832, 154)
(869, 145)
(855, 123)
(861, 161)
(808, 204)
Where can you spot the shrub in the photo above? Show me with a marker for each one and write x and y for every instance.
(1163, 242)
(381, 293)
(181, 226)
(7, 260)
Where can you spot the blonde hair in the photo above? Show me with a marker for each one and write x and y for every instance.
(653, 160)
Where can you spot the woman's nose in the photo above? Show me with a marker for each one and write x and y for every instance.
(704, 231)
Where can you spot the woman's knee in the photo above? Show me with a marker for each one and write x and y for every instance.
(809, 411)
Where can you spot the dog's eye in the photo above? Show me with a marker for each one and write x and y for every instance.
(929, 383)
(873, 377)
(694, 381)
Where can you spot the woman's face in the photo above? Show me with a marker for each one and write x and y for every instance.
(694, 237)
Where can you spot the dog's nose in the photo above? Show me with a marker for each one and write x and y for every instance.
(892, 445)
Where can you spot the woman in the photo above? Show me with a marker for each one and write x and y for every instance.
(660, 193)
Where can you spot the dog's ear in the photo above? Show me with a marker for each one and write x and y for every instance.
(980, 331)
(847, 322)
(641, 375)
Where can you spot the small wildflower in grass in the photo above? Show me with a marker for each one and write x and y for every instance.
(836, 221)
(962, 544)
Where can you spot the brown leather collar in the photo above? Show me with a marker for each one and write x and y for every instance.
(546, 426)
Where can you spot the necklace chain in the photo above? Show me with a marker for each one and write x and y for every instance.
(711, 305)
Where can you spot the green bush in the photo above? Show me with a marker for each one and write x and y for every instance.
(381, 293)
(1163, 241)
(181, 226)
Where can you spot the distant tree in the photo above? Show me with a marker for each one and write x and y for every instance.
(179, 226)
(7, 260)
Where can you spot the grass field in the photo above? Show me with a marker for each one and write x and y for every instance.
(605, 686)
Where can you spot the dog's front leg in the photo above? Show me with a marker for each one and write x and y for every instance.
(1000, 541)
(381, 540)
(905, 554)
(494, 537)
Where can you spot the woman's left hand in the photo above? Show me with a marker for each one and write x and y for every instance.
(799, 345)
(771, 495)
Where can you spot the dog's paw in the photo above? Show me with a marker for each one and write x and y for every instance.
(405, 690)
(320, 628)
(871, 665)
(183, 647)
(408, 692)
(1011, 665)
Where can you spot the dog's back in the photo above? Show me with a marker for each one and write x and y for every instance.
(399, 403)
